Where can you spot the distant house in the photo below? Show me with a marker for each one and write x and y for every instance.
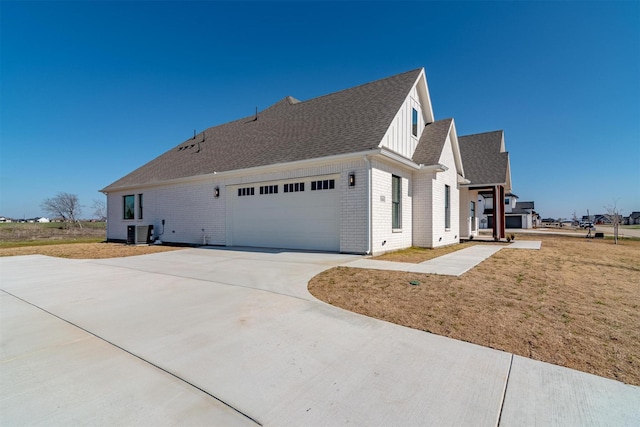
(42, 220)
(363, 170)
(520, 214)
(601, 219)
(633, 218)
(517, 214)
(5, 219)
(550, 222)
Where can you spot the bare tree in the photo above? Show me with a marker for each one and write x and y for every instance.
(615, 217)
(99, 209)
(65, 206)
(575, 219)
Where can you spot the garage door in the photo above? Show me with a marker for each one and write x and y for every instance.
(300, 214)
(513, 222)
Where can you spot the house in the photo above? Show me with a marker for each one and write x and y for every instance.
(633, 218)
(517, 214)
(602, 219)
(42, 220)
(364, 170)
(520, 214)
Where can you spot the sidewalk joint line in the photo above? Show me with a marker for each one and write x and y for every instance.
(136, 356)
(504, 392)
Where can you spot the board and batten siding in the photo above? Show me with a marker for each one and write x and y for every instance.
(399, 137)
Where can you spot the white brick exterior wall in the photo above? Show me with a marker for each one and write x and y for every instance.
(189, 208)
(429, 201)
(440, 235)
(384, 238)
(353, 208)
(186, 208)
(423, 209)
(193, 216)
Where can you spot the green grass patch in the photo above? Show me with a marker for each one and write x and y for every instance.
(49, 242)
(51, 225)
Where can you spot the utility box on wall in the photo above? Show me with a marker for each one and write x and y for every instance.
(143, 234)
(139, 235)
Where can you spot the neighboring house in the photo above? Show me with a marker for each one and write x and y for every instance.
(550, 222)
(5, 219)
(517, 214)
(520, 214)
(363, 170)
(588, 218)
(602, 219)
(42, 220)
(633, 218)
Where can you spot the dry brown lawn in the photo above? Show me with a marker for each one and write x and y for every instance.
(86, 250)
(416, 255)
(574, 303)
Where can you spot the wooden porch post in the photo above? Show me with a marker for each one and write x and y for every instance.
(503, 216)
(496, 216)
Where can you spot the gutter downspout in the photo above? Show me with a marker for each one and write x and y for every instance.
(369, 206)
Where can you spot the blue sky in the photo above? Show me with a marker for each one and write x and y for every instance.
(92, 90)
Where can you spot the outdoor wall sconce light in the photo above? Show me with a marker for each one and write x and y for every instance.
(216, 192)
(352, 179)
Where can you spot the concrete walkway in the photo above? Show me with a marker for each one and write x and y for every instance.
(453, 264)
(228, 337)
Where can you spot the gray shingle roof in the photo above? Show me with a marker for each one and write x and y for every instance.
(483, 159)
(432, 142)
(348, 121)
(525, 205)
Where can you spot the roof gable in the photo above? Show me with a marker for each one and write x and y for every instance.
(348, 121)
(432, 142)
(485, 159)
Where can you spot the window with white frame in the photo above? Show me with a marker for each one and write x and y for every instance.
(414, 122)
(396, 202)
(447, 207)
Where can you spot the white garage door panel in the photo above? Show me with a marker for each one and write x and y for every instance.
(298, 220)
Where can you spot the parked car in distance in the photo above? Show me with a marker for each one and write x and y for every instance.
(587, 225)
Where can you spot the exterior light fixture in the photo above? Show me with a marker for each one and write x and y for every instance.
(216, 192)
(352, 179)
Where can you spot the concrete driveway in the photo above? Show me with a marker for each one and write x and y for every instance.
(232, 337)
